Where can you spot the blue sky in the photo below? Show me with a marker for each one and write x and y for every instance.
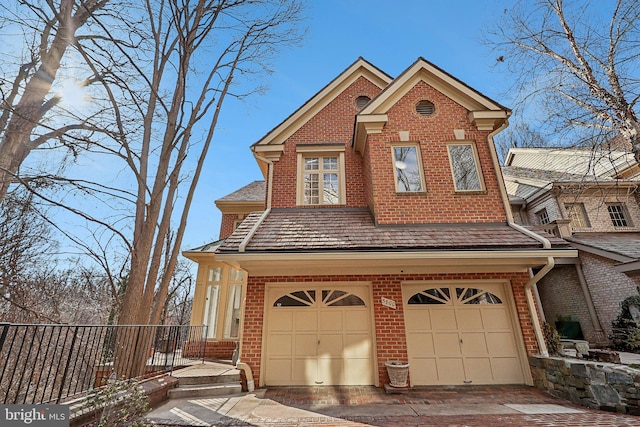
(389, 34)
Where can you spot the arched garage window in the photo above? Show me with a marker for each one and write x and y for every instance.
(462, 296)
(329, 297)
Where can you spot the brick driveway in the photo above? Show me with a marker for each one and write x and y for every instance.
(494, 406)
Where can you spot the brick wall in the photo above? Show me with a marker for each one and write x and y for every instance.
(334, 123)
(561, 295)
(608, 287)
(440, 203)
(389, 324)
(597, 213)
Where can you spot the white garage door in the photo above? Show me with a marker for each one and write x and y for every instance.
(460, 334)
(319, 335)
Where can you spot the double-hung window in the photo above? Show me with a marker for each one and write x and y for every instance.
(407, 164)
(321, 175)
(618, 215)
(464, 167)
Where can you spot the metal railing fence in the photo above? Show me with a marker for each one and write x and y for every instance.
(53, 363)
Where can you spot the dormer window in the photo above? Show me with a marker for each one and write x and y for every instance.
(407, 164)
(321, 175)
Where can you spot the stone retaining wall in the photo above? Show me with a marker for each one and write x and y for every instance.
(606, 386)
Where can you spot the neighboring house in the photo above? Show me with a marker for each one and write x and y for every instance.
(590, 198)
(386, 235)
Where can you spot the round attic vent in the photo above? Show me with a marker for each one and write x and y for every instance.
(361, 101)
(425, 108)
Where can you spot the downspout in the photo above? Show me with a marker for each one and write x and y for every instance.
(546, 244)
(248, 373)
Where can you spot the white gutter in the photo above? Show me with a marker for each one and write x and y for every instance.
(266, 212)
(546, 244)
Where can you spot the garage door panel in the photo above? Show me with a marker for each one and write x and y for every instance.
(450, 370)
(330, 371)
(478, 370)
(279, 371)
(474, 344)
(305, 371)
(357, 320)
(447, 344)
(306, 320)
(358, 371)
(469, 339)
(417, 320)
(507, 370)
(306, 345)
(331, 345)
(282, 345)
(443, 319)
(423, 370)
(357, 346)
(331, 320)
(501, 344)
(318, 341)
(496, 318)
(469, 319)
(281, 321)
(421, 344)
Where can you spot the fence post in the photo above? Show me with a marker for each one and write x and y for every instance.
(66, 368)
(3, 337)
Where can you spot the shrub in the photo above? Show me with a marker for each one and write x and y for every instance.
(552, 339)
(626, 332)
(121, 403)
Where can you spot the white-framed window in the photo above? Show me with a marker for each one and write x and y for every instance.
(407, 166)
(465, 169)
(321, 175)
(618, 215)
(223, 302)
(577, 215)
(543, 217)
(212, 301)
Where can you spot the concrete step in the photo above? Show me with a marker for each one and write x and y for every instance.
(199, 390)
(232, 377)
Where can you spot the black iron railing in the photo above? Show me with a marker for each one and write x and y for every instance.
(52, 363)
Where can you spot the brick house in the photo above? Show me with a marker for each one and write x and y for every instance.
(385, 235)
(592, 199)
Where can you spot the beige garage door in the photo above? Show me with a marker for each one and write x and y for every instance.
(460, 334)
(319, 335)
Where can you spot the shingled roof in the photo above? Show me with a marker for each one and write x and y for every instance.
(285, 230)
(254, 192)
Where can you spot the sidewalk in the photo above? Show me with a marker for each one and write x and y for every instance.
(369, 406)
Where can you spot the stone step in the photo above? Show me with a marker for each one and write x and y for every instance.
(232, 377)
(205, 390)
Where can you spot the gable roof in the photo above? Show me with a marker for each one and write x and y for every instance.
(360, 68)
(484, 112)
(253, 192)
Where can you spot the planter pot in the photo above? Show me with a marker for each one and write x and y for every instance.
(398, 373)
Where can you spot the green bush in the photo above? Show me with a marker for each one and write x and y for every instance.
(626, 332)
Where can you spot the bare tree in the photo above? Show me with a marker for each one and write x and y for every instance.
(178, 61)
(28, 116)
(581, 67)
(32, 287)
